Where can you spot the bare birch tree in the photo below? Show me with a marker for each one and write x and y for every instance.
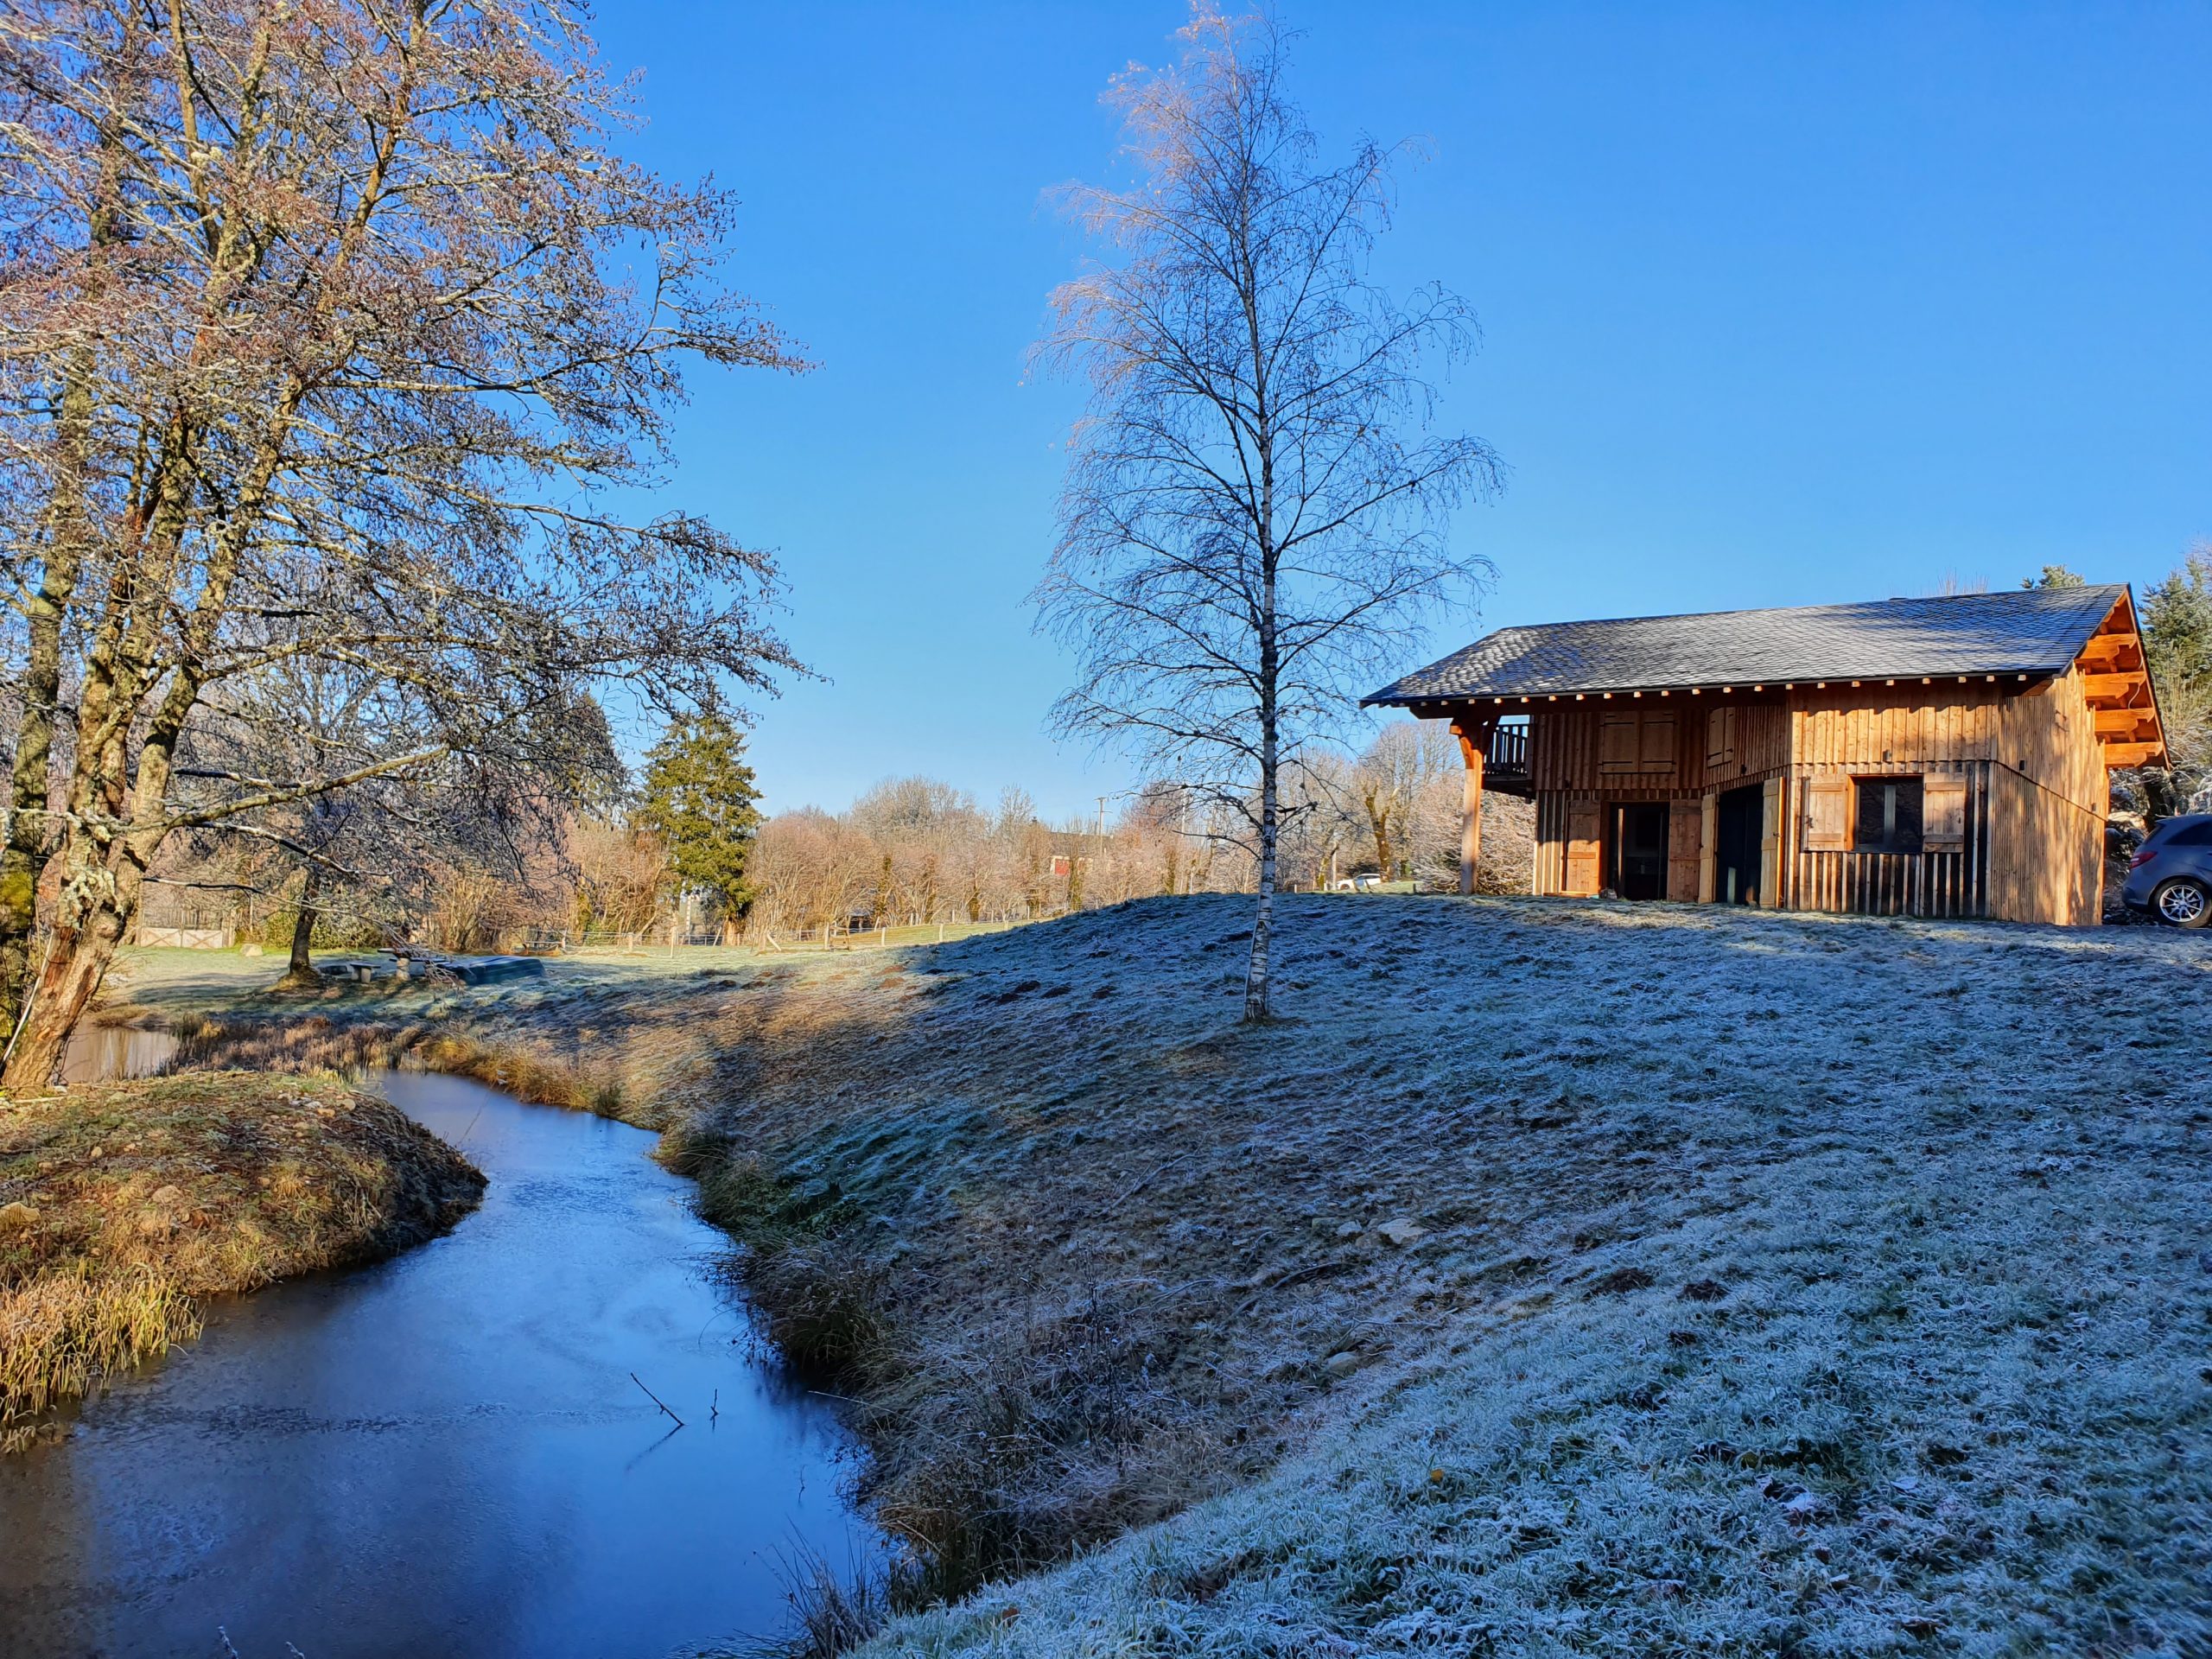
(358, 291)
(1254, 517)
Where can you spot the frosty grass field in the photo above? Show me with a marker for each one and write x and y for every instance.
(1558, 1279)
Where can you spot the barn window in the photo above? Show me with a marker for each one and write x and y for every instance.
(1888, 815)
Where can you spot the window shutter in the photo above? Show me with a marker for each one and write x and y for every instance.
(1582, 846)
(1616, 744)
(1720, 735)
(1943, 814)
(1655, 746)
(1827, 814)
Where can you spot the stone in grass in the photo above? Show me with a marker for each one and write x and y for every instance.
(17, 1215)
(1341, 1364)
(1402, 1230)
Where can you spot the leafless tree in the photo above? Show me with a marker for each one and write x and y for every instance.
(366, 849)
(331, 331)
(1255, 511)
(618, 877)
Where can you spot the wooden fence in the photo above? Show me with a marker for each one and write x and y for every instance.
(187, 938)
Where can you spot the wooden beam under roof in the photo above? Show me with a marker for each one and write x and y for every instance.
(2114, 690)
(2134, 754)
(2129, 723)
(2116, 680)
(2105, 651)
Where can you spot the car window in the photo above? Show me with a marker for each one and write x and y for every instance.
(2192, 835)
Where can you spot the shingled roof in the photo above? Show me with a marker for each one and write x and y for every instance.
(2029, 631)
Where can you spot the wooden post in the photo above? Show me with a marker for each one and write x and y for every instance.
(1471, 799)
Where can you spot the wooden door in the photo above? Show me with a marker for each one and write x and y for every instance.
(1685, 850)
(1584, 859)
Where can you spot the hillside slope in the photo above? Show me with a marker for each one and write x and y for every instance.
(1558, 1279)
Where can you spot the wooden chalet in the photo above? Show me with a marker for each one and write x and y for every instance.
(1923, 757)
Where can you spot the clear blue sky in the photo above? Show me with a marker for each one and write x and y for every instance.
(1782, 304)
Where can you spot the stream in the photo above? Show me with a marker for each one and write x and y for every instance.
(445, 1453)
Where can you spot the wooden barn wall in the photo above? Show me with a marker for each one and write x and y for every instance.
(1938, 729)
(1890, 884)
(2036, 792)
(2053, 798)
(1917, 724)
(2048, 736)
(1563, 745)
(2049, 860)
(1563, 767)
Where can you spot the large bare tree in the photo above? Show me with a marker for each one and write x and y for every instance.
(1253, 519)
(332, 331)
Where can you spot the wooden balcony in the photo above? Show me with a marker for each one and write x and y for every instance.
(1505, 758)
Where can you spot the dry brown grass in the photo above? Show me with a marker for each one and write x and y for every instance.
(123, 1205)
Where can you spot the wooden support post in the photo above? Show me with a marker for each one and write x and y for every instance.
(1471, 799)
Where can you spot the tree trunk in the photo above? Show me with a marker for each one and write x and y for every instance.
(28, 833)
(2161, 797)
(303, 964)
(1256, 977)
(1379, 824)
(23, 859)
(97, 904)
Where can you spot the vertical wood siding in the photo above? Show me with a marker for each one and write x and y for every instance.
(1889, 884)
(2036, 791)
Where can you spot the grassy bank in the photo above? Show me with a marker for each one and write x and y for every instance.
(123, 1206)
(1560, 1279)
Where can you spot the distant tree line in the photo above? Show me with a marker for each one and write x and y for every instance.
(687, 850)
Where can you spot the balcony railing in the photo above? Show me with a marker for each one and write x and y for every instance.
(1505, 762)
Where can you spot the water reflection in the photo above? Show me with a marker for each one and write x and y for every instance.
(446, 1454)
(98, 1052)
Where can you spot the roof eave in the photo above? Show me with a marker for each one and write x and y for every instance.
(1397, 697)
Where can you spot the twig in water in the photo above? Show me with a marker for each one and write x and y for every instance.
(656, 1399)
(227, 1647)
(715, 1407)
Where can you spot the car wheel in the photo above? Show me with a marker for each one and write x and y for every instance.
(2183, 903)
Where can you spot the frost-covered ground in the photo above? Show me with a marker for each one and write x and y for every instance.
(1562, 1279)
